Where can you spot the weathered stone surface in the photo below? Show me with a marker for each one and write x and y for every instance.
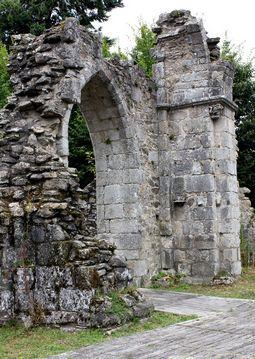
(166, 188)
(247, 224)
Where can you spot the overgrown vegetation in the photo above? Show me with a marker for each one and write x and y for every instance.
(243, 288)
(118, 307)
(245, 249)
(81, 154)
(166, 280)
(41, 342)
(145, 40)
(244, 96)
(5, 86)
(107, 52)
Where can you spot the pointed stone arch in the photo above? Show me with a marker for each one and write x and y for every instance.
(120, 163)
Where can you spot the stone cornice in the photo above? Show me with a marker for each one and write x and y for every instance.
(207, 101)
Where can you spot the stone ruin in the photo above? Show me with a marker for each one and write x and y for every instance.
(166, 184)
(247, 230)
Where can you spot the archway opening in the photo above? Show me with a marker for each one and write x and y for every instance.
(118, 177)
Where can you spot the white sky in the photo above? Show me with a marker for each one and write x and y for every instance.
(233, 19)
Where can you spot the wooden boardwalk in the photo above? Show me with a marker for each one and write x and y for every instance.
(225, 329)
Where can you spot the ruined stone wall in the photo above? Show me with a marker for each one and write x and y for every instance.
(166, 186)
(54, 260)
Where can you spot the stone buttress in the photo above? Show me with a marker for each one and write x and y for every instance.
(199, 208)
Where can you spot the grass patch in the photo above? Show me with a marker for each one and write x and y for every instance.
(243, 288)
(118, 307)
(40, 342)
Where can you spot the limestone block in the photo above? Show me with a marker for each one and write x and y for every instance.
(56, 233)
(229, 241)
(70, 90)
(4, 177)
(178, 185)
(24, 301)
(120, 194)
(6, 302)
(16, 209)
(184, 269)
(179, 256)
(123, 226)
(203, 213)
(47, 299)
(230, 255)
(75, 300)
(24, 278)
(128, 254)
(203, 270)
(51, 277)
(236, 268)
(128, 241)
(113, 211)
(200, 183)
(197, 168)
(229, 226)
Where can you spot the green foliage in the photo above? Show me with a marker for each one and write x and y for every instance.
(245, 248)
(118, 306)
(80, 147)
(145, 40)
(244, 96)
(107, 43)
(5, 86)
(23, 16)
(244, 83)
(106, 46)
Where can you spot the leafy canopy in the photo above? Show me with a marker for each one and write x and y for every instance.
(34, 16)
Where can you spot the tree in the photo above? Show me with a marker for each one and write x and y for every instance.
(244, 96)
(5, 87)
(145, 40)
(23, 16)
